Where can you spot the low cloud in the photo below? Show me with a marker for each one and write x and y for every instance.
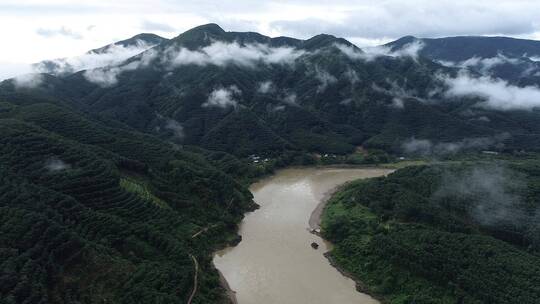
(398, 93)
(425, 147)
(352, 76)
(223, 97)
(28, 81)
(55, 165)
(222, 54)
(108, 76)
(496, 93)
(371, 53)
(113, 55)
(484, 65)
(491, 193)
(266, 87)
(323, 77)
(290, 99)
(175, 127)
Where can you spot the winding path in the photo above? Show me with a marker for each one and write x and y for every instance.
(195, 278)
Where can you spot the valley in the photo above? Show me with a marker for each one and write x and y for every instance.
(207, 166)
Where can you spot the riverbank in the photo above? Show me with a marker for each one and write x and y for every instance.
(231, 294)
(315, 228)
(315, 218)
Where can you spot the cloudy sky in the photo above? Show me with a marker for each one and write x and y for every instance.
(33, 30)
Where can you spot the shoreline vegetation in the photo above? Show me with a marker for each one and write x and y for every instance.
(315, 221)
(393, 232)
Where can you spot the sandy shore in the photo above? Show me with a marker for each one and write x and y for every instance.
(315, 217)
(231, 294)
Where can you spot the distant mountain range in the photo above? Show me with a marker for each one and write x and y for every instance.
(246, 93)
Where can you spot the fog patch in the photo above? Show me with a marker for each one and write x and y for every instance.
(496, 93)
(325, 78)
(398, 93)
(223, 97)
(346, 102)
(352, 76)
(28, 81)
(56, 165)
(484, 65)
(425, 147)
(172, 125)
(266, 87)
(290, 99)
(277, 108)
(490, 192)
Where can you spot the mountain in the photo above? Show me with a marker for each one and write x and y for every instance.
(321, 95)
(462, 48)
(514, 60)
(110, 54)
(135, 41)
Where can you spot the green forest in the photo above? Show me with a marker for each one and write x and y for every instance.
(459, 232)
(93, 212)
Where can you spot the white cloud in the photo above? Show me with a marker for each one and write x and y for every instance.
(223, 97)
(28, 81)
(55, 165)
(108, 76)
(221, 54)
(62, 31)
(323, 77)
(398, 93)
(290, 99)
(352, 76)
(368, 22)
(371, 53)
(113, 55)
(483, 64)
(175, 127)
(266, 87)
(496, 93)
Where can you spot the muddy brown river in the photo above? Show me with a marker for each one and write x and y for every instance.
(275, 263)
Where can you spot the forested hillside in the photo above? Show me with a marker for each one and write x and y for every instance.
(320, 95)
(94, 214)
(452, 233)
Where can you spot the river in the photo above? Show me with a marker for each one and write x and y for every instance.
(275, 263)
